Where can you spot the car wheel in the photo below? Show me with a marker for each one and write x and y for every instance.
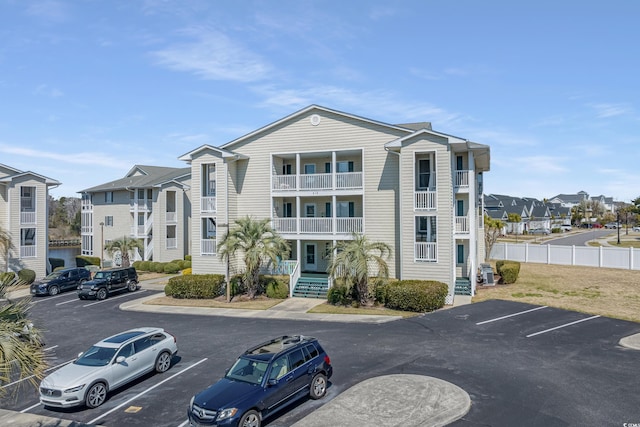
(132, 286)
(318, 386)
(96, 395)
(54, 290)
(81, 297)
(163, 362)
(102, 294)
(250, 419)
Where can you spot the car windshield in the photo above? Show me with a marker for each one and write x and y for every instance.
(96, 356)
(247, 370)
(101, 275)
(53, 275)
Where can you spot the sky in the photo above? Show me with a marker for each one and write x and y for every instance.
(90, 88)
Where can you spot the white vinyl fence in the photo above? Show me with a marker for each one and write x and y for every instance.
(588, 256)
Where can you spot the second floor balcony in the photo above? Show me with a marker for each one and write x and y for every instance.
(27, 217)
(425, 200)
(317, 182)
(339, 225)
(208, 204)
(140, 205)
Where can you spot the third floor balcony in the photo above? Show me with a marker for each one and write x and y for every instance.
(317, 182)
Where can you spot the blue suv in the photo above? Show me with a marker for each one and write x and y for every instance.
(263, 380)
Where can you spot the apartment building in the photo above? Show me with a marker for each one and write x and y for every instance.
(322, 174)
(23, 214)
(150, 203)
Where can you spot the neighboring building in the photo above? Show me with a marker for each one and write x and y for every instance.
(150, 203)
(570, 200)
(23, 214)
(321, 175)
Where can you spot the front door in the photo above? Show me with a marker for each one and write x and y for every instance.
(310, 263)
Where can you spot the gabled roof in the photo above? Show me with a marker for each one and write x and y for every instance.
(141, 176)
(225, 154)
(416, 126)
(14, 173)
(572, 198)
(304, 111)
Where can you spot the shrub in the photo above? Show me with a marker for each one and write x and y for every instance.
(171, 268)
(195, 286)
(339, 295)
(56, 263)
(157, 267)
(238, 286)
(187, 258)
(187, 271)
(184, 264)
(275, 287)
(84, 260)
(416, 295)
(27, 276)
(509, 272)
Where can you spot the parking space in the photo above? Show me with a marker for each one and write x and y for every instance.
(515, 360)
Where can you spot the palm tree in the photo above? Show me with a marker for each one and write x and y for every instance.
(5, 246)
(124, 245)
(21, 354)
(352, 261)
(258, 242)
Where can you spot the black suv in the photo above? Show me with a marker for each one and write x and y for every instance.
(106, 282)
(62, 280)
(263, 380)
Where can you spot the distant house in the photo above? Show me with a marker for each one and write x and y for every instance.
(24, 215)
(533, 212)
(150, 203)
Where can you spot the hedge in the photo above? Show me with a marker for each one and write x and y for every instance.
(195, 286)
(276, 286)
(27, 276)
(508, 271)
(415, 295)
(84, 260)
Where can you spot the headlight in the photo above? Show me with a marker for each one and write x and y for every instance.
(227, 413)
(191, 402)
(74, 389)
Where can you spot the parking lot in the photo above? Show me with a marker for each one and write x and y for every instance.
(521, 364)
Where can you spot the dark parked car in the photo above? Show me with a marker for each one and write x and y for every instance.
(60, 281)
(263, 380)
(106, 282)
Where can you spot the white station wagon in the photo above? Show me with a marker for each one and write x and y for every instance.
(108, 364)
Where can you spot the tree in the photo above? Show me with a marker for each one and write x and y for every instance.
(21, 354)
(351, 261)
(492, 230)
(6, 244)
(124, 245)
(258, 242)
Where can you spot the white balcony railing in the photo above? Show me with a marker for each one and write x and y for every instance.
(207, 246)
(462, 179)
(86, 229)
(208, 204)
(349, 225)
(426, 251)
(343, 225)
(28, 251)
(285, 225)
(27, 217)
(87, 205)
(462, 224)
(137, 230)
(425, 200)
(317, 181)
(171, 217)
(140, 205)
(172, 243)
(315, 225)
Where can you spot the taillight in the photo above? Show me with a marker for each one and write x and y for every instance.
(327, 360)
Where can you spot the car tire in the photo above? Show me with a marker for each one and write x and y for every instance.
(81, 297)
(96, 395)
(163, 362)
(101, 294)
(132, 286)
(54, 290)
(250, 419)
(318, 386)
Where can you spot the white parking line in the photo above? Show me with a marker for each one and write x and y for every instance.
(562, 326)
(95, 420)
(184, 423)
(49, 298)
(31, 376)
(109, 299)
(30, 408)
(511, 315)
(67, 302)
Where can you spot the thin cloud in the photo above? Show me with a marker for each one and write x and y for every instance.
(85, 159)
(605, 110)
(49, 10)
(213, 56)
(45, 90)
(540, 164)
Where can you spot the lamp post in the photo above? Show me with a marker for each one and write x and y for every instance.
(618, 224)
(101, 244)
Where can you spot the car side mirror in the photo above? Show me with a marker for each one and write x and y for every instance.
(272, 382)
(120, 359)
(79, 355)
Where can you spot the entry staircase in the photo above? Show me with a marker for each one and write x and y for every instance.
(463, 286)
(311, 287)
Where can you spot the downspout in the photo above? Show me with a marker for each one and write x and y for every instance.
(399, 252)
(226, 213)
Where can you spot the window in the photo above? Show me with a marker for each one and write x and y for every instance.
(287, 210)
(108, 221)
(209, 228)
(424, 174)
(310, 168)
(459, 163)
(344, 166)
(426, 229)
(460, 208)
(27, 199)
(286, 169)
(310, 210)
(108, 197)
(209, 179)
(296, 358)
(346, 209)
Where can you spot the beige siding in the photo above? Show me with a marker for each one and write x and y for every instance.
(122, 221)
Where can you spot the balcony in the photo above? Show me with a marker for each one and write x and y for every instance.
(86, 205)
(208, 204)
(461, 180)
(207, 246)
(425, 200)
(27, 218)
(317, 182)
(140, 205)
(172, 243)
(28, 251)
(426, 251)
(462, 224)
(340, 225)
(171, 217)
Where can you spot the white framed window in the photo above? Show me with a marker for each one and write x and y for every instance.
(309, 168)
(108, 221)
(426, 228)
(108, 196)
